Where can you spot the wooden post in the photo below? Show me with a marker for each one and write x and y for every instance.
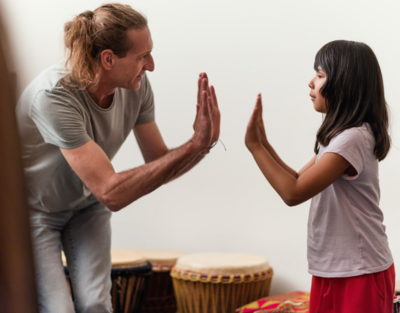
(17, 279)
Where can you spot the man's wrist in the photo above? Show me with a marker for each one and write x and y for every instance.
(193, 148)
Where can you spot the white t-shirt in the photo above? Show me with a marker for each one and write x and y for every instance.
(346, 235)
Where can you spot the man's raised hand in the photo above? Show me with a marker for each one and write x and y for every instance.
(215, 115)
(212, 100)
(203, 127)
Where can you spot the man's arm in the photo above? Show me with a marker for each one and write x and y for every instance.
(152, 146)
(150, 141)
(117, 190)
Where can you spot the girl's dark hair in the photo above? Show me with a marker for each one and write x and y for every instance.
(353, 92)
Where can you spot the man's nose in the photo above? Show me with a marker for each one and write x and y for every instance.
(150, 64)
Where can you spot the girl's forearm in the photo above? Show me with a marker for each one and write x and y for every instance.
(280, 179)
(278, 160)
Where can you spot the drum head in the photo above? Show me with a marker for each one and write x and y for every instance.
(120, 258)
(126, 258)
(222, 263)
(160, 257)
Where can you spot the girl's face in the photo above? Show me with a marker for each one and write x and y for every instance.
(316, 84)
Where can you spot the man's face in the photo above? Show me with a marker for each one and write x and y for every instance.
(128, 71)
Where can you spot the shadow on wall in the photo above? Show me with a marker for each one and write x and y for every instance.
(17, 284)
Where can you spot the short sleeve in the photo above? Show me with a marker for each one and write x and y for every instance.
(59, 119)
(146, 113)
(351, 145)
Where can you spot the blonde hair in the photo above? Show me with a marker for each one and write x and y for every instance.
(89, 33)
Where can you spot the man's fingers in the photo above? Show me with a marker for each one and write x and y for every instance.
(204, 85)
(199, 88)
(204, 104)
(211, 104)
(197, 111)
(214, 96)
(199, 85)
(208, 88)
(204, 76)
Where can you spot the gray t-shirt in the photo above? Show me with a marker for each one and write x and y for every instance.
(346, 235)
(50, 116)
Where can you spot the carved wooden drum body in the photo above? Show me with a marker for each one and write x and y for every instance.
(159, 296)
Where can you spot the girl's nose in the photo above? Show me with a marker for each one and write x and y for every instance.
(311, 84)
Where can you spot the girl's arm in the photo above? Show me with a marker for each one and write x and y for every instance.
(273, 153)
(313, 178)
(278, 160)
(307, 166)
(286, 167)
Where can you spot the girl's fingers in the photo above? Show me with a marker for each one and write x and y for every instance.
(254, 116)
(260, 108)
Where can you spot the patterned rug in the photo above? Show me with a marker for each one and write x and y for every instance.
(296, 301)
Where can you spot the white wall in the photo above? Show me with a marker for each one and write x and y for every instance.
(246, 47)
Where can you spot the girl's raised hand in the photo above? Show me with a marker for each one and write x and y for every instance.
(254, 133)
(263, 134)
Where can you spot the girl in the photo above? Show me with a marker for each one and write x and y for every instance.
(348, 251)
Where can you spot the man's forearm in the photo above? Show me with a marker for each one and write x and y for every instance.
(189, 166)
(125, 187)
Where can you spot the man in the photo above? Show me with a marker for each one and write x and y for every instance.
(72, 123)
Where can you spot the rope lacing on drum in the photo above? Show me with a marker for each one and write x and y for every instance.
(224, 279)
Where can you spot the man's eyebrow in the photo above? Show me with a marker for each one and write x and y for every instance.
(144, 53)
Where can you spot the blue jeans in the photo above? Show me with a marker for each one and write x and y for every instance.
(85, 237)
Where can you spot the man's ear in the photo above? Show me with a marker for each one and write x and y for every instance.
(107, 58)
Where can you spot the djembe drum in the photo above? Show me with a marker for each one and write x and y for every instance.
(159, 296)
(129, 274)
(219, 282)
